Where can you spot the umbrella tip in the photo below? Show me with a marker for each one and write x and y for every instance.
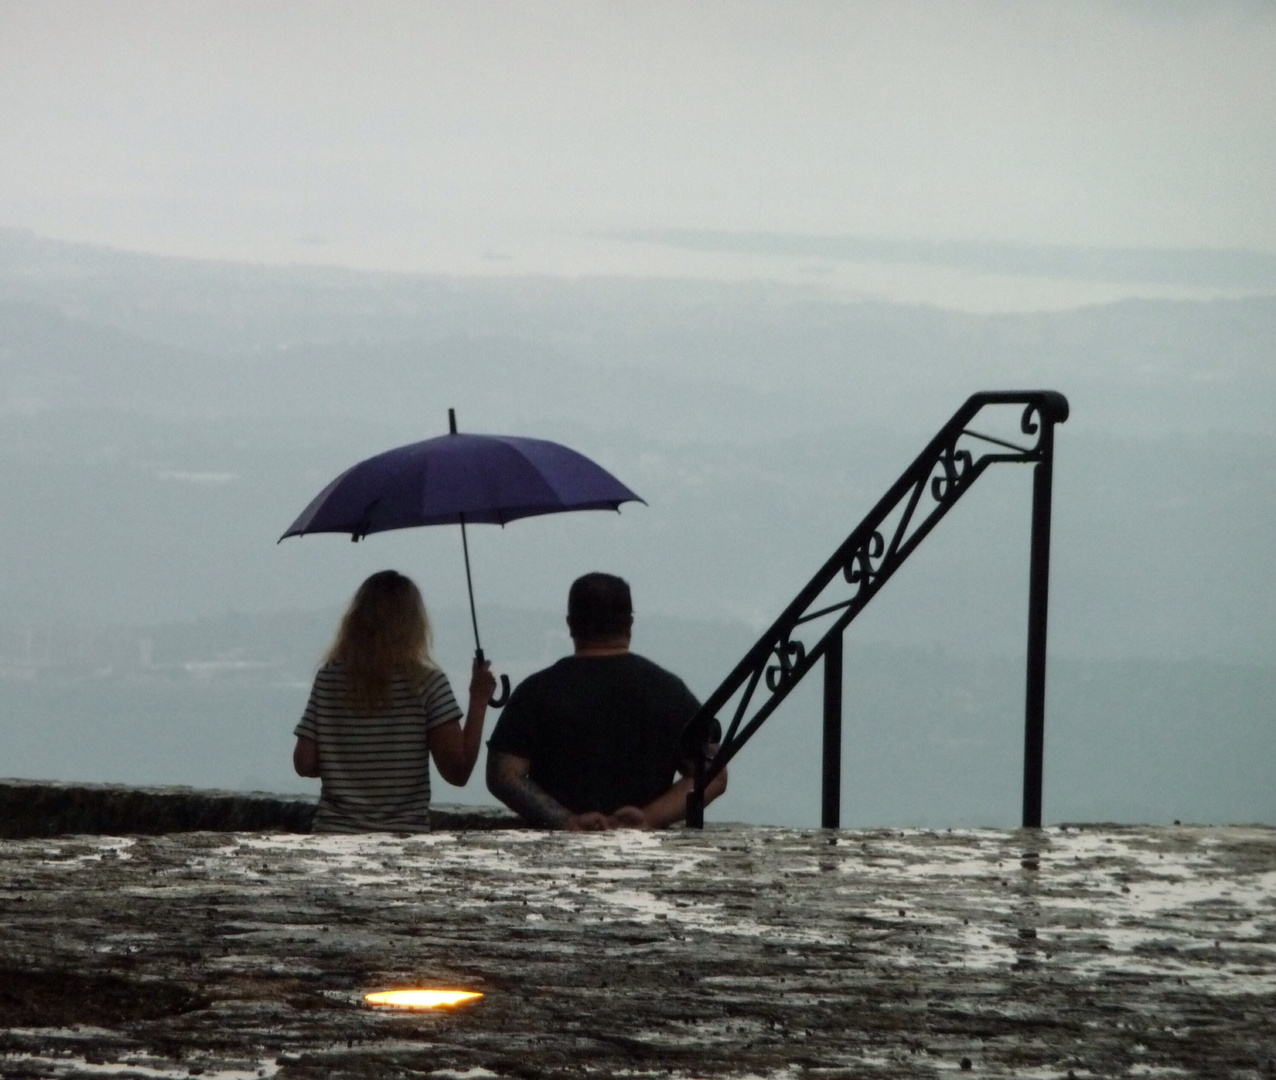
(451, 421)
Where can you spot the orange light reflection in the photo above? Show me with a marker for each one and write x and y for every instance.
(420, 999)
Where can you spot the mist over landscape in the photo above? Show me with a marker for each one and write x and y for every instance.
(164, 421)
(755, 323)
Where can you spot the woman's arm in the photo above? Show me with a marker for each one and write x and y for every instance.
(454, 748)
(305, 756)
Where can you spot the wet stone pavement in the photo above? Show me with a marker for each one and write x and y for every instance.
(736, 952)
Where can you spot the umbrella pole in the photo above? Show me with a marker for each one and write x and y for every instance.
(497, 699)
(465, 546)
(469, 585)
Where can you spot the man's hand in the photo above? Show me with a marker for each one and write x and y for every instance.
(588, 822)
(669, 808)
(631, 817)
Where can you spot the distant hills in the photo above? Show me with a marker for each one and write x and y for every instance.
(1226, 267)
(162, 420)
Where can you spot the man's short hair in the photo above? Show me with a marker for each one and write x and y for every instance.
(599, 606)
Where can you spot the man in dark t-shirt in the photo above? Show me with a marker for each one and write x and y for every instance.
(595, 740)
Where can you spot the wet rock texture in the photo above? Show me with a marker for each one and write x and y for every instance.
(44, 808)
(41, 808)
(734, 952)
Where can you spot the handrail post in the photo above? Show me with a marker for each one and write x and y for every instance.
(1038, 595)
(695, 797)
(831, 793)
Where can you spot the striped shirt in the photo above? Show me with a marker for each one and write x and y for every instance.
(375, 764)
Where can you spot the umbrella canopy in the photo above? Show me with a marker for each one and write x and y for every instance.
(460, 479)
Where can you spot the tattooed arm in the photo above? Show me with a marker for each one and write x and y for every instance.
(509, 779)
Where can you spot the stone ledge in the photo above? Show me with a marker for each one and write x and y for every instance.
(36, 808)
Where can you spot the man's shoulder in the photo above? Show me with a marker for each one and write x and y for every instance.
(556, 670)
(650, 667)
(574, 670)
(630, 664)
(542, 679)
(660, 679)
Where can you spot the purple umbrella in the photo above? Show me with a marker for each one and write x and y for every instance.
(457, 480)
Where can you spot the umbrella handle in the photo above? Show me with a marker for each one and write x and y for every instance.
(498, 700)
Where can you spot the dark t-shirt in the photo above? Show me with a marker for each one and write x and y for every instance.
(601, 732)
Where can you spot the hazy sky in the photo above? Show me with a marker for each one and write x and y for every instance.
(477, 136)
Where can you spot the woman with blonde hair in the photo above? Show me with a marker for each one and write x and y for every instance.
(379, 710)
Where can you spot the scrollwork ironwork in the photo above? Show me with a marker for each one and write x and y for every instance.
(860, 567)
(790, 655)
(955, 463)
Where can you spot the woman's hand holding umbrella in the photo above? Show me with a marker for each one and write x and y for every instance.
(482, 681)
(455, 750)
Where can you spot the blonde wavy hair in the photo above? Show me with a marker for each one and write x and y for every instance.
(384, 632)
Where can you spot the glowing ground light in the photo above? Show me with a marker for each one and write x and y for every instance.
(420, 999)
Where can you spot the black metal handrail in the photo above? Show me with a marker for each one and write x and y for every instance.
(811, 627)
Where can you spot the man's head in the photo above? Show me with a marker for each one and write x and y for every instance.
(600, 610)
